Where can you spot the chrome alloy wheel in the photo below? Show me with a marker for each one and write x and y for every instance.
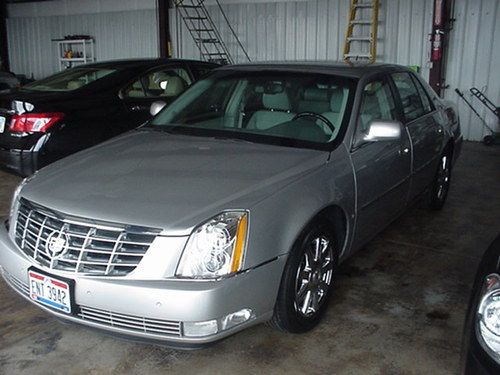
(314, 276)
(443, 177)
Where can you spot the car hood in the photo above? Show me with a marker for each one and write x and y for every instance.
(171, 182)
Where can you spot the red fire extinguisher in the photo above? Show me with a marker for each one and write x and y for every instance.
(438, 32)
(437, 45)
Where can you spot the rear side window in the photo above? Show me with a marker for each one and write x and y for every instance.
(423, 95)
(69, 80)
(410, 97)
(167, 82)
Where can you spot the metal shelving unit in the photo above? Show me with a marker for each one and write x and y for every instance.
(83, 48)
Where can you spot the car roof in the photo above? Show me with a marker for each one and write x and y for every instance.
(142, 63)
(321, 67)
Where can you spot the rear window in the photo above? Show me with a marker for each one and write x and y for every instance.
(69, 80)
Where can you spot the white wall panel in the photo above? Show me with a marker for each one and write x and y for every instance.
(124, 34)
(474, 61)
(315, 29)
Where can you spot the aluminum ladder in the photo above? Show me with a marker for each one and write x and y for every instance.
(355, 44)
(204, 31)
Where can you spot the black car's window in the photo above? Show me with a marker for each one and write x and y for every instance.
(377, 104)
(69, 80)
(423, 96)
(410, 97)
(168, 83)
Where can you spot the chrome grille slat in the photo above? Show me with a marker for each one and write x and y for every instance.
(90, 248)
(136, 323)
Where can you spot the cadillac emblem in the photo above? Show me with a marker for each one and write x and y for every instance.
(57, 244)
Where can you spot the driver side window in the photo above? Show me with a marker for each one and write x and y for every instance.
(377, 104)
(167, 83)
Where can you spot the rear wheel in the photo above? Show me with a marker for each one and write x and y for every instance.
(441, 185)
(307, 280)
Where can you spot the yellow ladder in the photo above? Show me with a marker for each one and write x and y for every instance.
(361, 53)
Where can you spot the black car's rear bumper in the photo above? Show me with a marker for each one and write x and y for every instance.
(478, 362)
(21, 162)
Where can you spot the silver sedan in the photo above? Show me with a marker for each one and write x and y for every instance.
(234, 205)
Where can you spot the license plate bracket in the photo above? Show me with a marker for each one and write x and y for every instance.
(54, 292)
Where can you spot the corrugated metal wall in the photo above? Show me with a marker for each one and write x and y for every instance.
(121, 34)
(474, 61)
(315, 29)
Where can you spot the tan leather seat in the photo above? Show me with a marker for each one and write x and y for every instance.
(277, 111)
(73, 85)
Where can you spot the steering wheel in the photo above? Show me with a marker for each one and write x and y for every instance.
(317, 116)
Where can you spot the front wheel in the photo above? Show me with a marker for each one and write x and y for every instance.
(307, 280)
(441, 185)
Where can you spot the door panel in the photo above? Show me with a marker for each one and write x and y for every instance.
(382, 168)
(382, 179)
(425, 130)
(427, 137)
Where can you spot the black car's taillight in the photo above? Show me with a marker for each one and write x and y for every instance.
(34, 122)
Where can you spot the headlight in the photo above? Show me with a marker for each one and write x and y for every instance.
(215, 248)
(488, 316)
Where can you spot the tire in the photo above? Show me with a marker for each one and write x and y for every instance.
(441, 184)
(488, 140)
(307, 280)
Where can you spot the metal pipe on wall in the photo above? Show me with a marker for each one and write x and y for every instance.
(4, 47)
(441, 27)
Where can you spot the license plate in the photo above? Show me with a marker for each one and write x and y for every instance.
(2, 124)
(50, 291)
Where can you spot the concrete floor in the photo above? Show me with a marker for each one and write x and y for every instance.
(398, 308)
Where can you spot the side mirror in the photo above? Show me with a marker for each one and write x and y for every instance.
(156, 107)
(383, 130)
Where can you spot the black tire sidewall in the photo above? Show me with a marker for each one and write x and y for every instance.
(290, 318)
(435, 202)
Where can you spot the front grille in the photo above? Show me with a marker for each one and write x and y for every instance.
(111, 319)
(78, 245)
(130, 322)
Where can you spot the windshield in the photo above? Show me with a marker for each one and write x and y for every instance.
(69, 80)
(308, 108)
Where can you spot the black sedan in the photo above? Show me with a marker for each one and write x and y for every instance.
(481, 352)
(80, 107)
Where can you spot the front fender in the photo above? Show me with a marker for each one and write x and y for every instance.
(277, 221)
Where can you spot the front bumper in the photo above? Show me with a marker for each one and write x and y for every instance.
(154, 310)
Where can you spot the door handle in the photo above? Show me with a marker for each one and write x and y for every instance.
(404, 150)
(136, 108)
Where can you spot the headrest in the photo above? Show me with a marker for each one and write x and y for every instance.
(73, 85)
(316, 95)
(175, 86)
(337, 100)
(276, 101)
